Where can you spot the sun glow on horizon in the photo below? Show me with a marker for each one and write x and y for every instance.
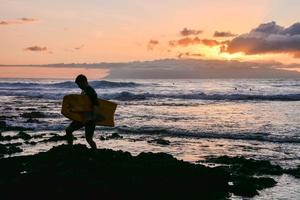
(215, 53)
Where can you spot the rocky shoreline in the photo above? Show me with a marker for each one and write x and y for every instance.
(76, 172)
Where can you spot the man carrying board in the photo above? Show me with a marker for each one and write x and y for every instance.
(89, 123)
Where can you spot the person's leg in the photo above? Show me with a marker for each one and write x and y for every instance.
(70, 129)
(89, 133)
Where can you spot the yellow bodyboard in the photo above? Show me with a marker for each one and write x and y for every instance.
(74, 107)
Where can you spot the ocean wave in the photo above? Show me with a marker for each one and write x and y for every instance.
(261, 137)
(96, 84)
(127, 96)
(33, 94)
(68, 84)
(17, 84)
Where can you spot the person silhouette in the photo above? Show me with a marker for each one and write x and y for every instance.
(89, 123)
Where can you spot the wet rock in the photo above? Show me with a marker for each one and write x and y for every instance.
(160, 141)
(9, 149)
(30, 142)
(21, 135)
(14, 144)
(40, 135)
(249, 186)
(76, 172)
(242, 172)
(7, 137)
(102, 138)
(3, 150)
(57, 138)
(112, 136)
(24, 135)
(33, 115)
(248, 166)
(294, 172)
(2, 124)
(6, 117)
(30, 120)
(5, 127)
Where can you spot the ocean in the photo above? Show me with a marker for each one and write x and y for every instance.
(255, 118)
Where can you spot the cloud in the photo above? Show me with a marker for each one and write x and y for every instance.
(36, 48)
(78, 48)
(188, 32)
(25, 19)
(212, 43)
(22, 20)
(152, 44)
(188, 54)
(267, 38)
(297, 55)
(187, 41)
(224, 34)
(3, 23)
(184, 42)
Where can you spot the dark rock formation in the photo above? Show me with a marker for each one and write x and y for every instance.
(8, 149)
(31, 142)
(242, 171)
(248, 166)
(33, 115)
(294, 172)
(21, 135)
(6, 127)
(24, 135)
(57, 138)
(30, 120)
(76, 172)
(112, 136)
(160, 141)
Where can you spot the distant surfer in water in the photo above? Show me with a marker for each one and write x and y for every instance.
(89, 124)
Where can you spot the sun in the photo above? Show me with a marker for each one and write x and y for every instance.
(215, 53)
(228, 56)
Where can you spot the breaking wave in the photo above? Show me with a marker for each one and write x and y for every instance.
(262, 137)
(67, 84)
(127, 96)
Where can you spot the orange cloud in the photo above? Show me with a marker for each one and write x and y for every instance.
(187, 41)
(152, 44)
(188, 32)
(188, 54)
(224, 34)
(25, 19)
(4, 23)
(36, 48)
(18, 21)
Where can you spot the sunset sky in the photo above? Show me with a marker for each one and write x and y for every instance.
(43, 32)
